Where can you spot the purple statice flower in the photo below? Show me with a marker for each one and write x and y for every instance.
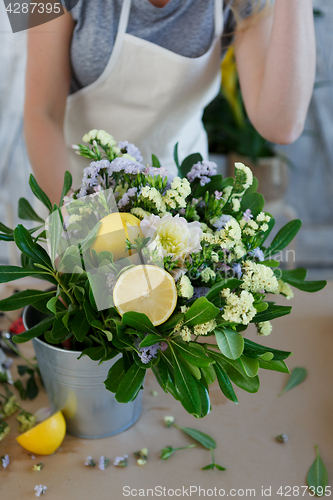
(91, 174)
(221, 222)
(247, 215)
(125, 165)
(130, 193)
(5, 461)
(120, 461)
(200, 291)
(258, 254)
(146, 354)
(40, 490)
(182, 211)
(237, 269)
(202, 170)
(131, 149)
(7, 363)
(218, 195)
(163, 172)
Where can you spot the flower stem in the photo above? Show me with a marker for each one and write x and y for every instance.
(16, 351)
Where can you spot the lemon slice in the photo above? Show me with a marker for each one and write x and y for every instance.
(46, 437)
(115, 228)
(146, 289)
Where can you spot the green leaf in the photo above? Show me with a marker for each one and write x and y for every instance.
(218, 287)
(208, 373)
(12, 273)
(26, 212)
(200, 312)
(115, 376)
(297, 376)
(5, 229)
(131, 384)
(204, 439)
(284, 237)
(94, 353)
(91, 314)
(254, 350)
(29, 248)
(80, 326)
(230, 343)
(297, 274)
(270, 263)
(306, 286)
(204, 399)
(66, 187)
(271, 312)
(59, 331)
(39, 193)
(317, 477)
(90, 238)
(35, 331)
(54, 231)
(171, 323)
(188, 163)
(224, 383)
(276, 366)
(51, 304)
(138, 321)
(250, 365)
(22, 299)
(187, 388)
(155, 161)
(31, 388)
(161, 373)
(261, 306)
(253, 201)
(175, 156)
(193, 356)
(150, 340)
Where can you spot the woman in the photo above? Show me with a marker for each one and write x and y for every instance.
(141, 83)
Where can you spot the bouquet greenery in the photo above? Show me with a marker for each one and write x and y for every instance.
(167, 271)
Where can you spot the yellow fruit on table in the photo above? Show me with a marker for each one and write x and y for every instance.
(115, 228)
(146, 289)
(46, 437)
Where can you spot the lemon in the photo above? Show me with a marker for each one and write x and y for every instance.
(146, 289)
(46, 437)
(115, 228)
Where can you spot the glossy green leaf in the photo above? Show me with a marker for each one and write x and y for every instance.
(284, 237)
(298, 375)
(192, 355)
(224, 383)
(276, 366)
(202, 438)
(254, 350)
(155, 161)
(171, 323)
(271, 312)
(188, 163)
(161, 373)
(230, 343)
(31, 249)
(12, 273)
(90, 238)
(204, 399)
(138, 321)
(250, 365)
(187, 388)
(208, 373)
(253, 201)
(216, 289)
(115, 376)
(66, 187)
(54, 231)
(131, 384)
(200, 312)
(35, 331)
(22, 299)
(80, 326)
(94, 353)
(317, 477)
(150, 340)
(26, 212)
(244, 382)
(39, 193)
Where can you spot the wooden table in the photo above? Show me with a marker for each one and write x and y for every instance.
(257, 466)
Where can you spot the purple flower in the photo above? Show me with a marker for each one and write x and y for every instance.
(221, 222)
(218, 195)
(247, 215)
(258, 254)
(237, 269)
(40, 490)
(146, 354)
(125, 165)
(131, 192)
(200, 291)
(5, 461)
(130, 149)
(202, 171)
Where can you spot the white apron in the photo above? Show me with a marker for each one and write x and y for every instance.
(149, 96)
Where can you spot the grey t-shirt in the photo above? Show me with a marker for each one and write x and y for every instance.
(185, 27)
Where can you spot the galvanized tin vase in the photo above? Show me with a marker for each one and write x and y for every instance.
(75, 386)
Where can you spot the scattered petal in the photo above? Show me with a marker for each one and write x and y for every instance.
(154, 393)
(38, 467)
(5, 461)
(120, 461)
(169, 420)
(90, 462)
(142, 456)
(103, 462)
(282, 438)
(43, 414)
(40, 490)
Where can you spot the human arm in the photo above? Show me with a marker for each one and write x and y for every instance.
(276, 65)
(48, 76)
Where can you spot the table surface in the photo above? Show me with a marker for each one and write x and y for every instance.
(245, 433)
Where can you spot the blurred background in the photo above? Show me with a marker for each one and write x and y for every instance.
(296, 180)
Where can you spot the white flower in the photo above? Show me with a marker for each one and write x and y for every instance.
(140, 213)
(229, 236)
(264, 328)
(259, 277)
(184, 287)
(185, 333)
(90, 136)
(169, 420)
(207, 274)
(285, 290)
(103, 462)
(40, 490)
(105, 138)
(120, 461)
(205, 328)
(235, 204)
(172, 236)
(155, 196)
(238, 309)
(245, 174)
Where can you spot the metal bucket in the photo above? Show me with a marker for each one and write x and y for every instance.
(75, 386)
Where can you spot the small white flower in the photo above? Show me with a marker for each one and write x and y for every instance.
(120, 461)
(90, 462)
(40, 490)
(103, 462)
(264, 328)
(169, 420)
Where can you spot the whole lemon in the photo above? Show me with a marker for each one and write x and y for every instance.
(115, 228)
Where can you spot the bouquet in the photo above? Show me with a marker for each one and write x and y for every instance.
(166, 271)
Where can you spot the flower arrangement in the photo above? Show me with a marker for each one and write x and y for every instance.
(168, 271)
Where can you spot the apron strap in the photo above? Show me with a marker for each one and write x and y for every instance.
(124, 16)
(122, 27)
(218, 17)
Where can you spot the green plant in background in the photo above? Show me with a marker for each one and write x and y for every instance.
(227, 124)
